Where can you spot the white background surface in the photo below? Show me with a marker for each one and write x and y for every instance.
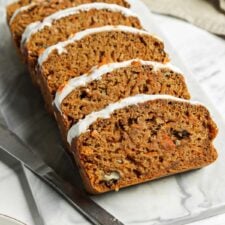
(205, 56)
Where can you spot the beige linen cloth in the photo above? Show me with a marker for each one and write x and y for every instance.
(207, 14)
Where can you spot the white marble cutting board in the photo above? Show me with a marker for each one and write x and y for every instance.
(173, 200)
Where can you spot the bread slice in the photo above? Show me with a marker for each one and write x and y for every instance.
(12, 7)
(37, 11)
(61, 25)
(111, 83)
(142, 138)
(92, 47)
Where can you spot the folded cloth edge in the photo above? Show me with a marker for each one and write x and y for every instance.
(204, 14)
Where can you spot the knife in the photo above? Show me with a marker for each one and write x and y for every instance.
(95, 214)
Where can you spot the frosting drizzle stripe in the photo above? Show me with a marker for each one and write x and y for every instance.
(60, 47)
(83, 125)
(97, 72)
(19, 10)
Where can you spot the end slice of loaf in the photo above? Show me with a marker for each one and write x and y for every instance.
(142, 138)
(112, 82)
(15, 5)
(92, 47)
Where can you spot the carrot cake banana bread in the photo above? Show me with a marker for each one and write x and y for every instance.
(112, 82)
(122, 109)
(37, 11)
(63, 24)
(77, 55)
(142, 138)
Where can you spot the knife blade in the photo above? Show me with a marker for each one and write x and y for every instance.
(14, 146)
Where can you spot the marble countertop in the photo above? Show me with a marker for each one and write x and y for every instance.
(204, 54)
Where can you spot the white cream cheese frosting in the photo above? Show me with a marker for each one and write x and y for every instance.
(60, 47)
(37, 26)
(83, 125)
(96, 73)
